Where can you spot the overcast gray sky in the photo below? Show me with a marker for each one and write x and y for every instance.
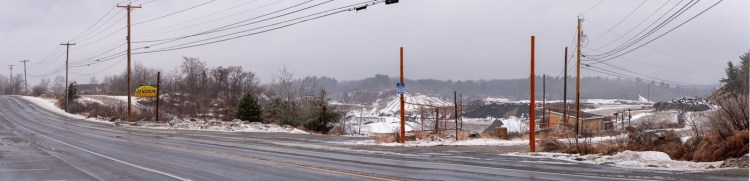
(443, 39)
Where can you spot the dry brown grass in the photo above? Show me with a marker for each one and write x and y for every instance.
(713, 148)
(386, 138)
(421, 135)
(463, 135)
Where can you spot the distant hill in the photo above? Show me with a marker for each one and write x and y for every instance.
(368, 90)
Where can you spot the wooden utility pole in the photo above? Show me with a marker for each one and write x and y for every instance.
(158, 89)
(455, 108)
(578, 79)
(565, 89)
(129, 8)
(25, 81)
(67, 57)
(403, 119)
(437, 120)
(461, 106)
(544, 99)
(11, 78)
(532, 104)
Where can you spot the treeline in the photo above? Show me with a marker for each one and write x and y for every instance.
(380, 86)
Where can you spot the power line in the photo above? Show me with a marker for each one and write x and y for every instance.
(99, 59)
(100, 32)
(167, 29)
(622, 20)
(592, 7)
(665, 33)
(173, 13)
(640, 37)
(639, 24)
(97, 22)
(102, 70)
(188, 45)
(231, 26)
(638, 76)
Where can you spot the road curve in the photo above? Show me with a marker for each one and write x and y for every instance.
(36, 144)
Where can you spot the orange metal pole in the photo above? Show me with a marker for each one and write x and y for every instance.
(403, 128)
(532, 104)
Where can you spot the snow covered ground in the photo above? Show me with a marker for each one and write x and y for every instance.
(652, 160)
(49, 105)
(412, 100)
(216, 125)
(379, 125)
(447, 142)
(594, 139)
(179, 124)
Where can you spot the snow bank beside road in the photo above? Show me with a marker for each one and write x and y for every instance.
(227, 126)
(179, 124)
(49, 105)
(628, 159)
(448, 142)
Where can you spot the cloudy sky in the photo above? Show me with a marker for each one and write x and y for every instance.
(443, 39)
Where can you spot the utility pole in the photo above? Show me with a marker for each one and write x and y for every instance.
(565, 90)
(578, 78)
(455, 108)
(25, 81)
(67, 56)
(532, 104)
(158, 89)
(129, 8)
(11, 78)
(544, 98)
(403, 119)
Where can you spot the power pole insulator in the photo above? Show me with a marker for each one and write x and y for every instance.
(391, 1)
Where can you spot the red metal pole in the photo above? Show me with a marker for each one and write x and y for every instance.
(532, 104)
(403, 128)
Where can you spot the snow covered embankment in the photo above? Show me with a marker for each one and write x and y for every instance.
(628, 159)
(200, 125)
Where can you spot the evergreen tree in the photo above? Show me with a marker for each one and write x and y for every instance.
(737, 75)
(72, 92)
(322, 117)
(249, 109)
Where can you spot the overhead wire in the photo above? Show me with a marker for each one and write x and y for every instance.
(100, 58)
(168, 29)
(102, 70)
(622, 20)
(197, 43)
(656, 38)
(232, 25)
(592, 7)
(639, 37)
(639, 24)
(96, 23)
(173, 13)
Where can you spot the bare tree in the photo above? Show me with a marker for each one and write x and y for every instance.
(58, 86)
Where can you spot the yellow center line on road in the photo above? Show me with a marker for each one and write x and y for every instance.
(330, 170)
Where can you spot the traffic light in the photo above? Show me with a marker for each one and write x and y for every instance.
(391, 1)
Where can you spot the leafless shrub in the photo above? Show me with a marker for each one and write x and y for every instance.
(732, 114)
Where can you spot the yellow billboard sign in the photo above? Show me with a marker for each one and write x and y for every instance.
(145, 91)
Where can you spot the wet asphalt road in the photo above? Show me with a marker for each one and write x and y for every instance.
(38, 145)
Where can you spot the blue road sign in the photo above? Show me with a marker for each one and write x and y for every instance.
(400, 87)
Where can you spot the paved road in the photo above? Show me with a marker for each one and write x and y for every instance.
(38, 145)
